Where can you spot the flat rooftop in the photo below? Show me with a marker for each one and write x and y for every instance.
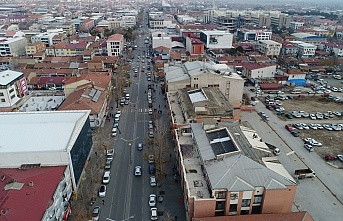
(43, 103)
(41, 130)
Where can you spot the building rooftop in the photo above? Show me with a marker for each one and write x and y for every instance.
(19, 201)
(42, 103)
(8, 76)
(115, 37)
(57, 130)
(231, 157)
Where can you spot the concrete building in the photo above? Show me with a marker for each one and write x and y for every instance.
(115, 45)
(164, 41)
(226, 171)
(194, 46)
(337, 49)
(295, 25)
(253, 34)
(158, 20)
(13, 46)
(289, 49)
(269, 48)
(35, 47)
(256, 71)
(87, 24)
(50, 188)
(128, 21)
(13, 86)
(305, 49)
(309, 38)
(68, 134)
(199, 74)
(216, 39)
(46, 37)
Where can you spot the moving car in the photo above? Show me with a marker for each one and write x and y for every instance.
(138, 170)
(102, 191)
(139, 146)
(114, 131)
(152, 200)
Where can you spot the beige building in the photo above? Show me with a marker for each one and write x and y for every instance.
(269, 48)
(33, 48)
(226, 171)
(199, 74)
(115, 45)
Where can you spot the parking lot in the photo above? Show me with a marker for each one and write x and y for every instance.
(331, 140)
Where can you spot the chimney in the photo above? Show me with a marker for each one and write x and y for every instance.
(30, 184)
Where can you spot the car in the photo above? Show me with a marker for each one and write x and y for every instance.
(150, 111)
(313, 142)
(138, 170)
(288, 116)
(340, 157)
(313, 126)
(319, 126)
(108, 164)
(289, 127)
(153, 181)
(152, 200)
(313, 117)
(154, 215)
(305, 126)
(149, 78)
(96, 213)
(298, 126)
(280, 113)
(338, 114)
(330, 157)
(114, 131)
(327, 127)
(309, 147)
(151, 134)
(106, 178)
(102, 191)
(116, 124)
(139, 146)
(126, 102)
(319, 116)
(295, 133)
(304, 114)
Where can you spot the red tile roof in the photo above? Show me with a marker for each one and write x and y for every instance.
(52, 80)
(29, 203)
(115, 37)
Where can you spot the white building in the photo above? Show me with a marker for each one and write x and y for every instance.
(44, 37)
(128, 21)
(13, 46)
(305, 49)
(247, 34)
(331, 48)
(13, 86)
(115, 45)
(295, 25)
(269, 48)
(216, 39)
(254, 71)
(198, 74)
(161, 41)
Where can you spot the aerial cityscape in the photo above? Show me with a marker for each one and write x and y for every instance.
(115, 110)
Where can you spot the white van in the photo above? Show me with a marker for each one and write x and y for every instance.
(296, 91)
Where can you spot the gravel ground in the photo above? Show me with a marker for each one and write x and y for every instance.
(331, 140)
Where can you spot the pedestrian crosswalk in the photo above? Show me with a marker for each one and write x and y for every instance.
(138, 110)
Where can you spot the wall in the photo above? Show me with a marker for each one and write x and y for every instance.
(278, 201)
(204, 207)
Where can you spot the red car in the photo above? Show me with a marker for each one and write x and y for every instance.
(142, 70)
(289, 127)
(330, 157)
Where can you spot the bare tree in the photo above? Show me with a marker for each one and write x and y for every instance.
(168, 217)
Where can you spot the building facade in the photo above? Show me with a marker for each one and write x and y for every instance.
(269, 48)
(216, 39)
(13, 46)
(115, 45)
(13, 86)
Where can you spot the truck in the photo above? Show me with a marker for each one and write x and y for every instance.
(304, 173)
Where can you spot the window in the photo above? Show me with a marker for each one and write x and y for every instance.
(246, 202)
(13, 96)
(244, 212)
(3, 100)
(233, 208)
(1, 94)
(220, 205)
(196, 86)
(11, 90)
(258, 199)
(220, 194)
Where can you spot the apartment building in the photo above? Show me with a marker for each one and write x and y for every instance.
(13, 46)
(296, 24)
(269, 48)
(216, 39)
(35, 47)
(253, 34)
(194, 46)
(128, 21)
(86, 25)
(256, 71)
(199, 74)
(161, 21)
(305, 49)
(337, 49)
(13, 86)
(115, 45)
(46, 37)
(218, 164)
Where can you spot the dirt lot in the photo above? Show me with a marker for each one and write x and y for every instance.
(331, 140)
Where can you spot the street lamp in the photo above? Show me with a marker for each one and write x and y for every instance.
(131, 217)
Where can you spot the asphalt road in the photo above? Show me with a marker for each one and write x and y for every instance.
(321, 196)
(127, 195)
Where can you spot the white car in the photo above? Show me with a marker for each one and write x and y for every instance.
(152, 181)
(138, 170)
(102, 191)
(304, 126)
(150, 111)
(106, 178)
(313, 117)
(114, 131)
(313, 142)
(152, 200)
(118, 113)
(313, 126)
(153, 212)
(319, 126)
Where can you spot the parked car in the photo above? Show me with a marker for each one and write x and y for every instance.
(106, 177)
(152, 200)
(139, 146)
(96, 213)
(330, 157)
(295, 133)
(102, 191)
(289, 127)
(309, 147)
(288, 116)
(154, 215)
(340, 157)
(153, 181)
(108, 164)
